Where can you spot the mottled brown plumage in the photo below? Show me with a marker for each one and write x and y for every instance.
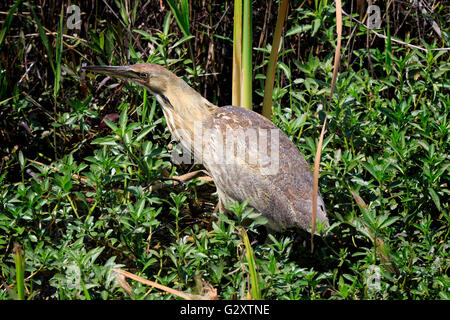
(285, 198)
(278, 182)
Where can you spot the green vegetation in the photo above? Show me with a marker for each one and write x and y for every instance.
(87, 183)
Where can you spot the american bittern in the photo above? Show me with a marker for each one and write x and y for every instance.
(279, 185)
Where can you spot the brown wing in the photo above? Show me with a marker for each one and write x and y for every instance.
(278, 184)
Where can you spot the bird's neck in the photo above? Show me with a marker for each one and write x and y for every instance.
(185, 106)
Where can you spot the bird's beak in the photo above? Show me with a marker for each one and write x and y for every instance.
(122, 72)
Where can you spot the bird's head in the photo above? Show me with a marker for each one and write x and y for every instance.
(181, 104)
(154, 77)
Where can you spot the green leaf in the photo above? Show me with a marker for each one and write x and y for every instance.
(181, 41)
(101, 40)
(105, 141)
(19, 260)
(123, 121)
(388, 221)
(298, 29)
(185, 12)
(254, 275)
(181, 16)
(316, 25)
(166, 23)
(59, 49)
(7, 21)
(435, 198)
(124, 14)
(388, 50)
(44, 39)
(143, 133)
(145, 34)
(140, 207)
(21, 160)
(111, 125)
(285, 68)
(133, 53)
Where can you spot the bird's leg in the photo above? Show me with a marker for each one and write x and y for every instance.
(219, 207)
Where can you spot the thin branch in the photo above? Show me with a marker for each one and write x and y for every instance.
(393, 39)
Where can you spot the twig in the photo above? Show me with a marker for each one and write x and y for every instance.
(337, 59)
(206, 291)
(182, 179)
(176, 179)
(422, 7)
(153, 284)
(50, 33)
(393, 39)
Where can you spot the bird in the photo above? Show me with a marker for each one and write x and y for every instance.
(233, 144)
